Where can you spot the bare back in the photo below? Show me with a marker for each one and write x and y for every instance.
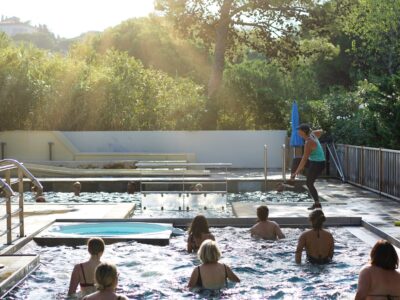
(268, 230)
(376, 283)
(319, 244)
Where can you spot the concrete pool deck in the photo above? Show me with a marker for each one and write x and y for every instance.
(341, 199)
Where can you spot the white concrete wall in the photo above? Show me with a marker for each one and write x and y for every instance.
(244, 149)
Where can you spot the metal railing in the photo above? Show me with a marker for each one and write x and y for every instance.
(6, 166)
(376, 169)
(183, 183)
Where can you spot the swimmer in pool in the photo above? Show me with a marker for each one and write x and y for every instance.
(106, 277)
(198, 232)
(83, 274)
(318, 242)
(211, 274)
(265, 229)
(380, 278)
(77, 188)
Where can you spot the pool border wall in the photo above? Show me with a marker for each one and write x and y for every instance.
(301, 222)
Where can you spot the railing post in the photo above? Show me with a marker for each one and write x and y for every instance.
(346, 147)
(3, 150)
(8, 209)
(51, 150)
(21, 203)
(265, 168)
(284, 163)
(380, 170)
(361, 180)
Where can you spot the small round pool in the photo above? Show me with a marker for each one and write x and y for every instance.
(109, 229)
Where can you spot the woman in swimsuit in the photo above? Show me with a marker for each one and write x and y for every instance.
(211, 274)
(106, 277)
(380, 279)
(83, 274)
(313, 159)
(198, 232)
(318, 242)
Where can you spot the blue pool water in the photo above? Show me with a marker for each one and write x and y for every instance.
(267, 269)
(108, 229)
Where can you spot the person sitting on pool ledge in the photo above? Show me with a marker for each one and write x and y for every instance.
(83, 274)
(198, 232)
(379, 279)
(265, 229)
(211, 274)
(106, 277)
(318, 242)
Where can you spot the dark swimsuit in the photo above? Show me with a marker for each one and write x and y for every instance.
(85, 284)
(200, 281)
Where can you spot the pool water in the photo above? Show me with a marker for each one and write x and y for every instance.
(109, 229)
(266, 269)
(216, 211)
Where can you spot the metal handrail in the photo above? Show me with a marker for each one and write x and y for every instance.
(25, 171)
(9, 191)
(183, 182)
(6, 165)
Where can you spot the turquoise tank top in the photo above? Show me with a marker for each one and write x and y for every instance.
(318, 153)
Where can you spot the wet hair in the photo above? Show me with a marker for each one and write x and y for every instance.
(262, 213)
(384, 255)
(317, 218)
(199, 226)
(209, 252)
(105, 276)
(306, 128)
(95, 246)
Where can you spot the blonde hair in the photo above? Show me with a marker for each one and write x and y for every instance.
(106, 276)
(209, 252)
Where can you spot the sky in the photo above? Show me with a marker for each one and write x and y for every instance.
(70, 18)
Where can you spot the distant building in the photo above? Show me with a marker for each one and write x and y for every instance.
(12, 26)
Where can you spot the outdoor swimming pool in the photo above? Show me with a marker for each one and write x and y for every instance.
(155, 211)
(266, 269)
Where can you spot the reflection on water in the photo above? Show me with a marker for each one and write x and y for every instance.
(266, 269)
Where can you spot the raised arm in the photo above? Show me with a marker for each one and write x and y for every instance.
(317, 132)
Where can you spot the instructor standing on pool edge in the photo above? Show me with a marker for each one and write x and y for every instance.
(313, 159)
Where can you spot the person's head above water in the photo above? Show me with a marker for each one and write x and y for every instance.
(304, 130)
(209, 252)
(384, 255)
(317, 218)
(199, 225)
(262, 213)
(95, 246)
(106, 276)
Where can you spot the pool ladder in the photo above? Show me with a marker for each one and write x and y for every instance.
(6, 166)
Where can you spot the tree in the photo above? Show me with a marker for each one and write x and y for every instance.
(374, 29)
(268, 26)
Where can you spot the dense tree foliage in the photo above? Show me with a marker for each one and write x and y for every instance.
(340, 60)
